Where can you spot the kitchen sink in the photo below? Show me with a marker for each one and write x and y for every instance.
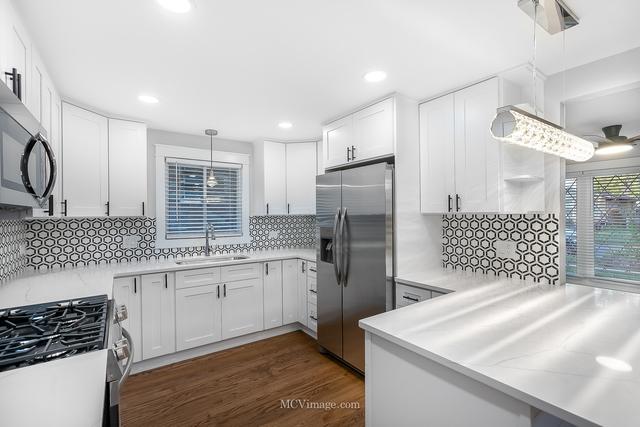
(211, 259)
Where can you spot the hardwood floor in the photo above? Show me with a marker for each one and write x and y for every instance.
(244, 386)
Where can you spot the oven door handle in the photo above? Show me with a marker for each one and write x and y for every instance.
(24, 168)
(127, 368)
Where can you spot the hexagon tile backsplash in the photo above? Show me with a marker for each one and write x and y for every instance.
(69, 242)
(12, 248)
(468, 242)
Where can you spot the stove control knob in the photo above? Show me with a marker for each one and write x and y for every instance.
(121, 349)
(121, 313)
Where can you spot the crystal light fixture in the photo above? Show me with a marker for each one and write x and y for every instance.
(211, 179)
(516, 126)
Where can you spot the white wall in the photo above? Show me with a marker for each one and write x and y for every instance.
(162, 137)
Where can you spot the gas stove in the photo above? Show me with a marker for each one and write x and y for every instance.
(42, 332)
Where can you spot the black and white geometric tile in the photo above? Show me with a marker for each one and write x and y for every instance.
(69, 242)
(13, 260)
(468, 243)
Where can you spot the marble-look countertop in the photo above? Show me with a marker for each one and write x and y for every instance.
(40, 287)
(70, 391)
(537, 343)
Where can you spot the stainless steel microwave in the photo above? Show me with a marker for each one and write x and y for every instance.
(27, 163)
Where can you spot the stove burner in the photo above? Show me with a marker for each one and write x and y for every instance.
(43, 332)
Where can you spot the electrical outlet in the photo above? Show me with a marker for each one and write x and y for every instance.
(273, 234)
(506, 249)
(130, 242)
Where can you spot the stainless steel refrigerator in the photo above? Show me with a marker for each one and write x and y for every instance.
(354, 255)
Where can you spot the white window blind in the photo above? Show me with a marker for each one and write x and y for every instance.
(603, 225)
(191, 205)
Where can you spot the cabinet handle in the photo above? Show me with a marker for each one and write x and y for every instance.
(288, 208)
(135, 285)
(411, 298)
(314, 291)
(449, 199)
(314, 318)
(267, 208)
(304, 266)
(108, 208)
(312, 269)
(166, 281)
(224, 290)
(218, 291)
(266, 268)
(457, 203)
(50, 207)
(348, 154)
(66, 204)
(353, 152)
(142, 208)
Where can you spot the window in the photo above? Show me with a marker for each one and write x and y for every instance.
(602, 225)
(186, 205)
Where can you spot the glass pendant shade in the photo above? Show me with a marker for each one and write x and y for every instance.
(211, 179)
(515, 126)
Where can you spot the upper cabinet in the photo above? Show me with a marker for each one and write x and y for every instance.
(367, 134)
(463, 168)
(285, 178)
(104, 165)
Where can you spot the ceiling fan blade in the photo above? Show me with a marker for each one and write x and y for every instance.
(634, 138)
(595, 138)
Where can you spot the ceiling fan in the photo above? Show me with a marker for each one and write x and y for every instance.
(612, 142)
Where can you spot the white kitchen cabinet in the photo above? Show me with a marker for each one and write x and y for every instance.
(301, 178)
(289, 291)
(337, 136)
(198, 316)
(374, 131)
(302, 292)
(242, 308)
(127, 292)
(15, 48)
(158, 315)
(272, 294)
(85, 159)
(275, 178)
(437, 170)
(128, 168)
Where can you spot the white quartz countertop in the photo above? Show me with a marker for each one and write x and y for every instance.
(537, 343)
(39, 287)
(70, 391)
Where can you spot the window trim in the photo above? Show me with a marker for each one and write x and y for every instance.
(197, 154)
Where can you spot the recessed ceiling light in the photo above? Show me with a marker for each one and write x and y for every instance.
(614, 364)
(176, 6)
(375, 76)
(285, 125)
(148, 99)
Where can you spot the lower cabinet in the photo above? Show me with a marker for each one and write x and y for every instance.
(272, 294)
(289, 291)
(302, 292)
(158, 315)
(127, 292)
(241, 307)
(198, 316)
(312, 297)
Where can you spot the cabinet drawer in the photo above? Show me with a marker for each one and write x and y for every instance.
(313, 317)
(313, 297)
(311, 270)
(312, 284)
(407, 295)
(199, 277)
(239, 272)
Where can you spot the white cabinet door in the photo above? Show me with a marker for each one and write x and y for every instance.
(16, 48)
(289, 291)
(301, 178)
(336, 137)
(198, 316)
(128, 168)
(275, 178)
(158, 315)
(437, 168)
(127, 292)
(241, 308)
(302, 291)
(272, 294)
(85, 161)
(477, 154)
(374, 131)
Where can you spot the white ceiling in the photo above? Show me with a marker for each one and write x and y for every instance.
(241, 66)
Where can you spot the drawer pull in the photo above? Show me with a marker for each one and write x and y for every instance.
(411, 298)
(313, 290)
(312, 269)
(313, 318)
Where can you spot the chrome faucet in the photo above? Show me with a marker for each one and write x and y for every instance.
(210, 232)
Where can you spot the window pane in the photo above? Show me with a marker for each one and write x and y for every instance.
(616, 221)
(571, 224)
(191, 204)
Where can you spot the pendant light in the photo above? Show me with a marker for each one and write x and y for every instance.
(211, 179)
(515, 126)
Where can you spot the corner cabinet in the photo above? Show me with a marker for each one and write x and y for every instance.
(366, 134)
(463, 168)
(158, 315)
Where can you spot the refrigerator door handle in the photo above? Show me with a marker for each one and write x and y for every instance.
(335, 258)
(344, 254)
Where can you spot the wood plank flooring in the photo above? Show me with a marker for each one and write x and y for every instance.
(244, 386)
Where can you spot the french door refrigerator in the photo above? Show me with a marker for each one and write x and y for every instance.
(354, 255)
